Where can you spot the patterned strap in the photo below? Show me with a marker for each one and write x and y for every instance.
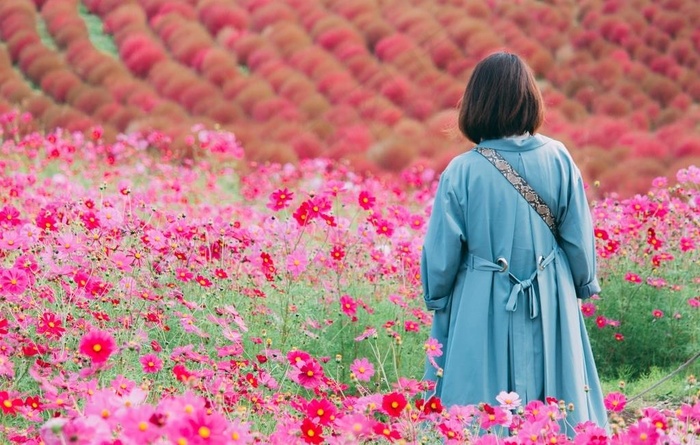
(522, 187)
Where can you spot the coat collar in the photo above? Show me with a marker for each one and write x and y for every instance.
(515, 144)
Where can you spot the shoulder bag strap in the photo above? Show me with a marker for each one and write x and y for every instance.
(521, 186)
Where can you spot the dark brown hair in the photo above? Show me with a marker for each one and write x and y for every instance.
(501, 99)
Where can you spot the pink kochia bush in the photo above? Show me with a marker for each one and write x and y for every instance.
(219, 303)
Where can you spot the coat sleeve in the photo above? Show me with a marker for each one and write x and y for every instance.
(577, 240)
(442, 248)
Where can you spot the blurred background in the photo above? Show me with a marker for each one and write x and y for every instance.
(375, 83)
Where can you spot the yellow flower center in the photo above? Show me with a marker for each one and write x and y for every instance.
(104, 414)
(204, 432)
(143, 426)
(320, 412)
(97, 348)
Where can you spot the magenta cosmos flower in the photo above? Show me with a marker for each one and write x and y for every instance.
(98, 345)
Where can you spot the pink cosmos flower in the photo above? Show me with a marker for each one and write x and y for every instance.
(321, 411)
(280, 199)
(309, 374)
(411, 326)
(355, 425)
(9, 216)
(98, 345)
(615, 402)
(657, 313)
(297, 262)
(492, 416)
(687, 244)
(136, 424)
(13, 281)
(641, 433)
(362, 369)
(122, 261)
(588, 309)
(184, 275)
(633, 277)
(66, 244)
(238, 432)
(366, 200)
(151, 363)
(416, 222)
(349, 306)
(78, 431)
(199, 428)
(433, 348)
(11, 240)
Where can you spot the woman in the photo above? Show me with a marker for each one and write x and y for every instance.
(505, 284)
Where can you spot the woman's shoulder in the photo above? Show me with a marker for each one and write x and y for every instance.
(462, 163)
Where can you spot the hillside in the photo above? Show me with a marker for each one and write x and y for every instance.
(375, 82)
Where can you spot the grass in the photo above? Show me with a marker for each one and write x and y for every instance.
(95, 27)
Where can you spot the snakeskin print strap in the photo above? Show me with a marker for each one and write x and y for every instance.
(527, 192)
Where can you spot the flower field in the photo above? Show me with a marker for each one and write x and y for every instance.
(223, 302)
(373, 83)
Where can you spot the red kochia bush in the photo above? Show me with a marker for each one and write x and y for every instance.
(37, 105)
(103, 7)
(276, 108)
(225, 113)
(182, 9)
(215, 15)
(333, 37)
(271, 13)
(261, 56)
(15, 90)
(32, 53)
(90, 100)
(389, 48)
(195, 92)
(296, 87)
(352, 9)
(127, 14)
(19, 41)
(336, 85)
(306, 145)
(252, 94)
(373, 28)
(42, 66)
(59, 84)
(275, 73)
(288, 38)
(314, 105)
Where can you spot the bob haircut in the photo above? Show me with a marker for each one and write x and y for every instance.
(501, 99)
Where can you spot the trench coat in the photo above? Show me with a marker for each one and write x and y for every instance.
(504, 289)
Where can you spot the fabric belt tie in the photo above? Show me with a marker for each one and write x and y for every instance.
(520, 287)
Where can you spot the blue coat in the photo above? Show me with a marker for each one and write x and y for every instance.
(520, 329)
